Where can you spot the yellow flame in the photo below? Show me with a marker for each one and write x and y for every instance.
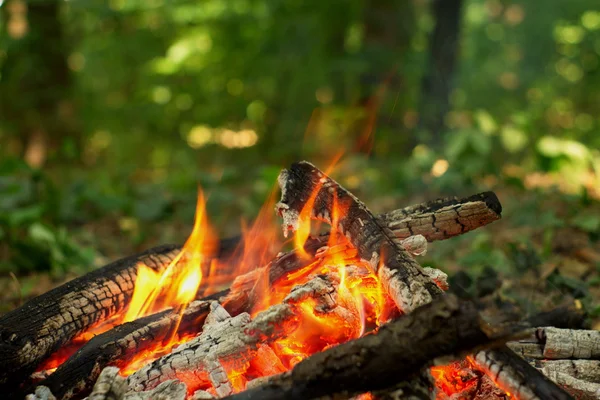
(179, 282)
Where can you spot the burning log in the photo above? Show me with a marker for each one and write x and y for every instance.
(33, 331)
(399, 349)
(307, 192)
(232, 343)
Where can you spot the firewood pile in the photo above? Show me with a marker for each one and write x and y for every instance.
(347, 314)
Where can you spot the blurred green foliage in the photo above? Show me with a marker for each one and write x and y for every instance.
(155, 97)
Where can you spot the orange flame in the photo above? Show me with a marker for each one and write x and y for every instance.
(179, 282)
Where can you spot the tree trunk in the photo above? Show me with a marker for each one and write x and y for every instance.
(388, 29)
(438, 79)
(36, 79)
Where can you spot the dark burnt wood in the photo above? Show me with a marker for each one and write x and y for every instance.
(32, 332)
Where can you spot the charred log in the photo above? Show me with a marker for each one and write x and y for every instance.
(382, 360)
(304, 185)
(35, 330)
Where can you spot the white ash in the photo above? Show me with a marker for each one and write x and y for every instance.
(202, 395)
(168, 390)
(407, 297)
(217, 314)
(415, 245)
(438, 276)
(110, 385)
(41, 393)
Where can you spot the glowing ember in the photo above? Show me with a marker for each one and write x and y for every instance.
(453, 378)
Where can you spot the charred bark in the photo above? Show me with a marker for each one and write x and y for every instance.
(445, 327)
(32, 332)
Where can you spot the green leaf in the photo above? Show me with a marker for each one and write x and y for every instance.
(588, 222)
(42, 234)
(24, 216)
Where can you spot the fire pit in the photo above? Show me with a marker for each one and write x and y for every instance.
(347, 313)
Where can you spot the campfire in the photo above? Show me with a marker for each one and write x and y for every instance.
(347, 312)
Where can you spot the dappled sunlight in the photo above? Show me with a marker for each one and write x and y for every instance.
(200, 136)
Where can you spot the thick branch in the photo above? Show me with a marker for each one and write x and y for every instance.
(555, 343)
(444, 218)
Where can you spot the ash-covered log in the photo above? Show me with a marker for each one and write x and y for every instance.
(446, 327)
(555, 343)
(304, 185)
(444, 218)
(586, 370)
(233, 343)
(581, 378)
